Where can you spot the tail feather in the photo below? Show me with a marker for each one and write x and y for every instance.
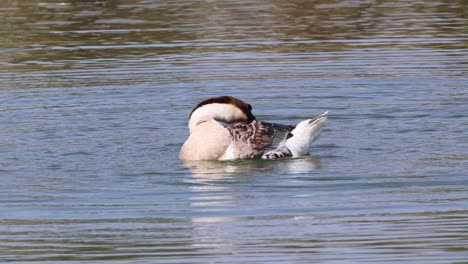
(318, 118)
(304, 134)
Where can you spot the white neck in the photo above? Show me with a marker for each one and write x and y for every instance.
(220, 112)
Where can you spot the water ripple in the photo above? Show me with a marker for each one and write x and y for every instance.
(95, 98)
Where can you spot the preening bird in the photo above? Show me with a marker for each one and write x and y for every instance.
(224, 128)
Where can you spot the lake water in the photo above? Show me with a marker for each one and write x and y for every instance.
(94, 102)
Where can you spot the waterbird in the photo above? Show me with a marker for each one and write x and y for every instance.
(224, 128)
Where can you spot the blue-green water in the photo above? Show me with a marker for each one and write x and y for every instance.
(94, 101)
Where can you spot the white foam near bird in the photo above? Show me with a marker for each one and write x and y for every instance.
(224, 128)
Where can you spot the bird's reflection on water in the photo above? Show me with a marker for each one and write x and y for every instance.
(222, 195)
(206, 171)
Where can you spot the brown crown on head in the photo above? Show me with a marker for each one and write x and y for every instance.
(243, 106)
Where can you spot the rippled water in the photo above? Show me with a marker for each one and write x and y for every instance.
(94, 100)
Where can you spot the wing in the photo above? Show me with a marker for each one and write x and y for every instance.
(252, 140)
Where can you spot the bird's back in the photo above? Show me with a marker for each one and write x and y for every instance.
(253, 140)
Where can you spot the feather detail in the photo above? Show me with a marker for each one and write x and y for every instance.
(280, 153)
(252, 140)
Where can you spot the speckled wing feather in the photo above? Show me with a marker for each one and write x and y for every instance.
(252, 140)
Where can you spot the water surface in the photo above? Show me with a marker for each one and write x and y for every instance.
(94, 101)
